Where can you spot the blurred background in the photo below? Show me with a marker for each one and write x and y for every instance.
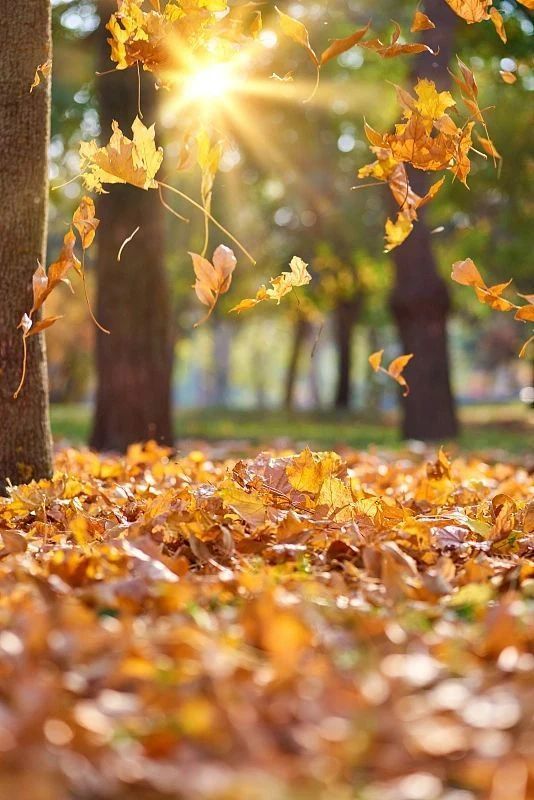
(297, 372)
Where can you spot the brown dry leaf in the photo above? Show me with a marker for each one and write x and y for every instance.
(14, 542)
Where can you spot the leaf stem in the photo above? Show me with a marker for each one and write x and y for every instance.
(86, 293)
(209, 216)
(24, 363)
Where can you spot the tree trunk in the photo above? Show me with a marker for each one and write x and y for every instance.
(420, 301)
(345, 316)
(25, 42)
(134, 363)
(301, 328)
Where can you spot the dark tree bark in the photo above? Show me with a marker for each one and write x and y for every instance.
(134, 363)
(420, 300)
(301, 328)
(345, 316)
(25, 42)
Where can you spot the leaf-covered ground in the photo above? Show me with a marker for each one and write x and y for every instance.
(281, 628)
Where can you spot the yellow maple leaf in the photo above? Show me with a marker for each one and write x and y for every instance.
(284, 283)
(281, 285)
(430, 103)
(308, 471)
(135, 161)
(397, 232)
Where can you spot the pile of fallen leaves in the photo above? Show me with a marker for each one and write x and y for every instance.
(292, 627)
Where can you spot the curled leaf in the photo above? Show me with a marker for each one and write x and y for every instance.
(85, 222)
(213, 278)
(339, 46)
(280, 286)
(395, 369)
(298, 32)
(421, 22)
(42, 72)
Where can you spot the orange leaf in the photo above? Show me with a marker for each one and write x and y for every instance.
(85, 222)
(375, 360)
(213, 278)
(508, 77)
(42, 325)
(421, 22)
(339, 46)
(298, 32)
(466, 273)
(525, 314)
(498, 21)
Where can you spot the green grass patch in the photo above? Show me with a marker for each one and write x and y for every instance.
(484, 428)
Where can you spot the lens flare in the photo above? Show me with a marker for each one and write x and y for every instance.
(209, 83)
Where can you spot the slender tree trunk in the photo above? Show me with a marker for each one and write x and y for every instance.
(301, 328)
(134, 363)
(25, 42)
(420, 300)
(345, 317)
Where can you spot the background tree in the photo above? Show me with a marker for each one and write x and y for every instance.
(25, 42)
(133, 363)
(420, 300)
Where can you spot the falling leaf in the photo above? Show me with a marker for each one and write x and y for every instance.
(466, 273)
(394, 48)
(339, 46)
(213, 278)
(489, 147)
(42, 72)
(280, 286)
(85, 222)
(135, 161)
(498, 22)
(298, 32)
(471, 10)
(284, 283)
(395, 369)
(508, 77)
(43, 324)
(397, 232)
(421, 22)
